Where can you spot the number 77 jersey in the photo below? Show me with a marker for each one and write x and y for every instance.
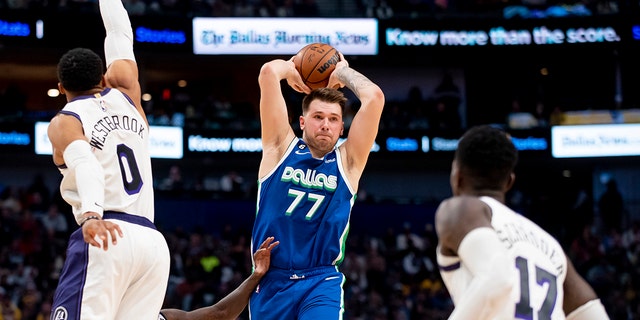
(538, 259)
(305, 203)
(119, 138)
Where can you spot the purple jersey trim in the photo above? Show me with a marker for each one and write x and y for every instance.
(139, 220)
(450, 267)
(68, 295)
(69, 113)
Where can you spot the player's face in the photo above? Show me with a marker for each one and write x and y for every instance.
(322, 125)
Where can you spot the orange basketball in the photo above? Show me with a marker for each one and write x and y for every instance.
(315, 62)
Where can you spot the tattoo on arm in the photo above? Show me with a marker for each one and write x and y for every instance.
(354, 80)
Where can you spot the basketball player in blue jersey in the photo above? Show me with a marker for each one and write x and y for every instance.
(117, 263)
(306, 189)
(496, 263)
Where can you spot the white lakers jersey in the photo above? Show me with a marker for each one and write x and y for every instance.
(538, 258)
(119, 138)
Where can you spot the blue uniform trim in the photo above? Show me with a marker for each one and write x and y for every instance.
(293, 274)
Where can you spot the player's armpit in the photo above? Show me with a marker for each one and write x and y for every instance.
(172, 314)
(592, 310)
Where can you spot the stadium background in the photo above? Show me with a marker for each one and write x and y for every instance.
(207, 218)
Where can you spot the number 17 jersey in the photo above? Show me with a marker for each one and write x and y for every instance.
(305, 203)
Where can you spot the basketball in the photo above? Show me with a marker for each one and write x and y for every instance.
(315, 62)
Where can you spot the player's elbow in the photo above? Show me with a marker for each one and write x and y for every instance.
(502, 277)
(377, 94)
(503, 286)
(269, 71)
(373, 96)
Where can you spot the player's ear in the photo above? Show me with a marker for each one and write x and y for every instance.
(301, 122)
(455, 178)
(510, 182)
(61, 88)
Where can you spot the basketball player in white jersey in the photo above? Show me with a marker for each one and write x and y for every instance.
(496, 263)
(117, 263)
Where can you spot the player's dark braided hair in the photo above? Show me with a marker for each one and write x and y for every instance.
(80, 69)
(486, 155)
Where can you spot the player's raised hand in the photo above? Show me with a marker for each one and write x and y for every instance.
(262, 257)
(335, 80)
(92, 230)
(294, 80)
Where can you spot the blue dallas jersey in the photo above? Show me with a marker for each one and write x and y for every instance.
(305, 203)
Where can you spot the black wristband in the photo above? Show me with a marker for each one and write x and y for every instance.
(85, 219)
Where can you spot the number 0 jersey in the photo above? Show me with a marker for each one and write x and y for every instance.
(119, 138)
(538, 258)
(305, 203)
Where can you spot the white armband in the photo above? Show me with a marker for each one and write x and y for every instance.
(592, 310)
(118, 43)
(493, 275)
(89, 177)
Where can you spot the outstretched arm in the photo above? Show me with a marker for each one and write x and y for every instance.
(274, 118)
(233, 304)
(122, 69)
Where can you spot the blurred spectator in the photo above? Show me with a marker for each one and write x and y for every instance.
(232, 184)
(174, 181)
(611, 206)
(54, 223)
(8, 309)
(541, 114)
(377, 9)
(586, 250)
(447, 98)
(45, 311)
(135, 7)
(557, 116)
(38, 195)
(519, 118)
(243, 8)
(417, 107)
(631, 236)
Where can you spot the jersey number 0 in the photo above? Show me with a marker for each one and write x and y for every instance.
(131, 177)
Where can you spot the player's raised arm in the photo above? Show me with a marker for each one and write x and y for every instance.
(122, 69)
(274, 118)
(364, 127)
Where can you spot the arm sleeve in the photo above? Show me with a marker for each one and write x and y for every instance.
(118, 43)
(89, 177)
(493, 274)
